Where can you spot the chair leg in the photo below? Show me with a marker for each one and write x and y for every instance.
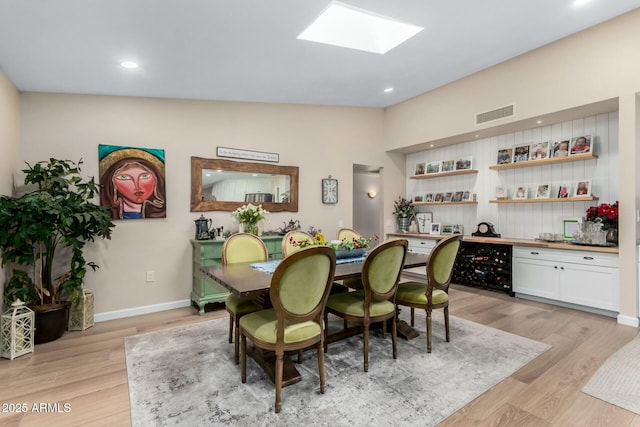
(384, 330)
(243, 349)
(365, 335)
(323, 386)
(446, 322)
(428, 331)
(413, 317)
(230, 328)
(394, 337)
(326, 330)
(237, 343)
(299, 356)
(279, 369)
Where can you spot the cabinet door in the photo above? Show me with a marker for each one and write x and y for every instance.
(536, 277)
(589, 285)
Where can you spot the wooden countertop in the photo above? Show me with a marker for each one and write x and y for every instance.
(515, 242)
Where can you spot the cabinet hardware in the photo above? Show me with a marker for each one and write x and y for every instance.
(590, 258)
(535, 253)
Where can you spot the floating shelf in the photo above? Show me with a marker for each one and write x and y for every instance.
(442, 174)
(529, 163)
(568, 199)
(443, 203)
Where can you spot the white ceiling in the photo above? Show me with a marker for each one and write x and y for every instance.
(246, 50)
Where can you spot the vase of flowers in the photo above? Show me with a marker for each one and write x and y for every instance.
(403, 210)
(248, 217)
(606, 215)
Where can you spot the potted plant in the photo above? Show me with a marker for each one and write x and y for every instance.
(606, 215)
(45, 228)
(403, 210)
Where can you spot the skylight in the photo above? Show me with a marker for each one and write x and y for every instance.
(346, 26)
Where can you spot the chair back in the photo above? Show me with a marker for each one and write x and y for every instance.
(244, 247)
(440, 263)
(300, 285)
(291, 239)
(382, 269)
(348, 234)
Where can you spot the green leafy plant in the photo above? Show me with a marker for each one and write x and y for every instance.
(250, 214)
(402, 208)
(58, 213)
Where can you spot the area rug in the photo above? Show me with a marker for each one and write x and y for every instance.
(617, 381)
(185, 376)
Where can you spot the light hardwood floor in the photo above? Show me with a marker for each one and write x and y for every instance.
(87, 371)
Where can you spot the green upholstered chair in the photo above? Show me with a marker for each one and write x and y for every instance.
(434, 293)
(241, 247)
(297, 236)
(376, 301)
(299, 290)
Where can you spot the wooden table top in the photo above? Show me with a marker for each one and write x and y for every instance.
(243, 280)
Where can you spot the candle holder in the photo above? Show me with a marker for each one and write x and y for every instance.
(16, 331)
(81, 315)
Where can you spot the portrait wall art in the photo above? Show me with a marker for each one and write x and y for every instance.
(133, 181)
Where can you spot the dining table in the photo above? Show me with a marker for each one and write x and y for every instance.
(253, 280)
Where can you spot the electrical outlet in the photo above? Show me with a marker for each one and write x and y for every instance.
(151, 276)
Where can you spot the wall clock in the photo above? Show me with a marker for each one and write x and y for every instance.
(329, 191)
(485, 229)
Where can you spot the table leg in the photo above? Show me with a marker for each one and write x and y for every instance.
(267, 361)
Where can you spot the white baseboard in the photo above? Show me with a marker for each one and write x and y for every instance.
(119, 314)
(628, 320)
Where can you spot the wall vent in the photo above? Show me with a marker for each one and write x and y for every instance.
(496, 114)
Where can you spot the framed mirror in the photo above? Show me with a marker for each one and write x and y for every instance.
(225, 185)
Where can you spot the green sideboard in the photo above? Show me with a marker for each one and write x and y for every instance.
(209, 252)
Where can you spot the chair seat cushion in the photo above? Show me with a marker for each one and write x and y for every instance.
(352, 303)
(416, 293)
(239, 305)
(263, 326)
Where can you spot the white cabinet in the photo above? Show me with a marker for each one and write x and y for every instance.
(419, 246)
(588, 279)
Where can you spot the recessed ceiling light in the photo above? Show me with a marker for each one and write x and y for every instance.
(388, 90)
(347, 26)
(580, 2)
(539, 121)
(129, 64)
(431, 145)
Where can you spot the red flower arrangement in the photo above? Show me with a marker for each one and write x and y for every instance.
(605, 214)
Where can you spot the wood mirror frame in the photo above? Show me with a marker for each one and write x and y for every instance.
(198, 164)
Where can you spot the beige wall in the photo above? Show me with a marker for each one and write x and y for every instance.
(321, 141)
(9, 138)
(592, 66)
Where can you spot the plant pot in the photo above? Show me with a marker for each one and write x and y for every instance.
(403, 223)
(51, 321)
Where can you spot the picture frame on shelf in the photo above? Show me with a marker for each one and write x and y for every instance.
(540, 150)
(560, 149)
(520, 192)
(466, 196)
(521, 153)
(428, 198)
(504, 156)
(457, 196)
(580, 145)
(417, 199)
(447, 166)
(464, 163)
(457, 229)
(583, 188)
(570, 227)
(564, 191)
(433, 167)
(420, 169)
(543, 191)
(446, 229)
(437, 198)
(424, 222)
(435, 228)
(501, 193)
(447, 196)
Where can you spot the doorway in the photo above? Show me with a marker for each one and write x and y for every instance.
(367, 201)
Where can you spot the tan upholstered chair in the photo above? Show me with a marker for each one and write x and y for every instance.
(376, 301)
(350, 234)
(288, 246)
(435, 293)
(241, 247)
(299, 290)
